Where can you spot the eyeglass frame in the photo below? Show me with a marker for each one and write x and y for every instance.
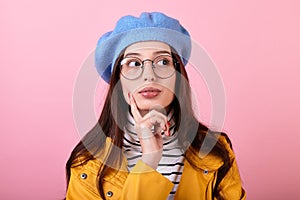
(175, 64)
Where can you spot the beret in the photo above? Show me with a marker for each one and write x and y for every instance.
(154, 26)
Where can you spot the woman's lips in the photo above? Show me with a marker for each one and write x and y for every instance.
(149, 92)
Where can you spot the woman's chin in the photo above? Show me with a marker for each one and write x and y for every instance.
(149, 105)
(145, 108)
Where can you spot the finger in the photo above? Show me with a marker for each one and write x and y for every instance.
(154, 114)
(165, 124)
(134, 110)
(151, 125)
(167, 131)
(157, 121)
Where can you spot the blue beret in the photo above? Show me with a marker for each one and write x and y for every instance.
(153, 26)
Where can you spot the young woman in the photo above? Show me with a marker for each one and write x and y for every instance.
(147, 143)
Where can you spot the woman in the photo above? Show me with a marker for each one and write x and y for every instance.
(147, 143)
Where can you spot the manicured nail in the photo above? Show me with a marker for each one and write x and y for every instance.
(167, 133)
(165, 128)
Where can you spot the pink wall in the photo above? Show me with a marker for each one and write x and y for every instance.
(255, 45)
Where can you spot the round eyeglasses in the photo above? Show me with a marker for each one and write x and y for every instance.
(133, 67)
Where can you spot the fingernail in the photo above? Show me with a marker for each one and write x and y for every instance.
(129, 95)
(169, 124)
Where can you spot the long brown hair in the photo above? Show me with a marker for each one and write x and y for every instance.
(113, 116)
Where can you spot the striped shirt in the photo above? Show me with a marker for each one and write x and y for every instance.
(171, 163)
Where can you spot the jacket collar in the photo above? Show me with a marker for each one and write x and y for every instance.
(208, 162)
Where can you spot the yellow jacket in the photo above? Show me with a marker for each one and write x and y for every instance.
(145, 183)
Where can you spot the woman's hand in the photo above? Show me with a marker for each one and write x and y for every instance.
(149, 129)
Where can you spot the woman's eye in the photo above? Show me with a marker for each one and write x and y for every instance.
(163, 62)
(134, 63)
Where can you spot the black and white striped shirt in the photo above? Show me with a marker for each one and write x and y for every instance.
(171, 163)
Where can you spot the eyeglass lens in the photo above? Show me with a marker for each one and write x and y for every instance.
(133, 67)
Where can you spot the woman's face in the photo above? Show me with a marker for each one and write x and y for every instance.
(148, 90)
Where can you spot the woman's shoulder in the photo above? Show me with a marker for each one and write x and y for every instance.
(93, 162)
(206, 159)
(89, 156)
(225, 140)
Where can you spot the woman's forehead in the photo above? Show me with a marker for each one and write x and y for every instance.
(148, 46)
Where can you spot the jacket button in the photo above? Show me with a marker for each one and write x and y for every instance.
(83, 176)
(205, 171)
(109, 193)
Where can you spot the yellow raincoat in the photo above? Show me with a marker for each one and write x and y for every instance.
(145, 183)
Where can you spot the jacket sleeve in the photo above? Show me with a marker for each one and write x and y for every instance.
(143, 182)
(231, 185)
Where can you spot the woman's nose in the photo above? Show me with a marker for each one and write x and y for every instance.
(148, 74)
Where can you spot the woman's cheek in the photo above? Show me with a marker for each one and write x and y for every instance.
(125, 94)
(128, 88)
(125, 91)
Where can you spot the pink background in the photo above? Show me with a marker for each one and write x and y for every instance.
(255, 45)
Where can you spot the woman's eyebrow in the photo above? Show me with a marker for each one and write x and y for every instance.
(162, 52)
(132, 54)
(154, 53)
